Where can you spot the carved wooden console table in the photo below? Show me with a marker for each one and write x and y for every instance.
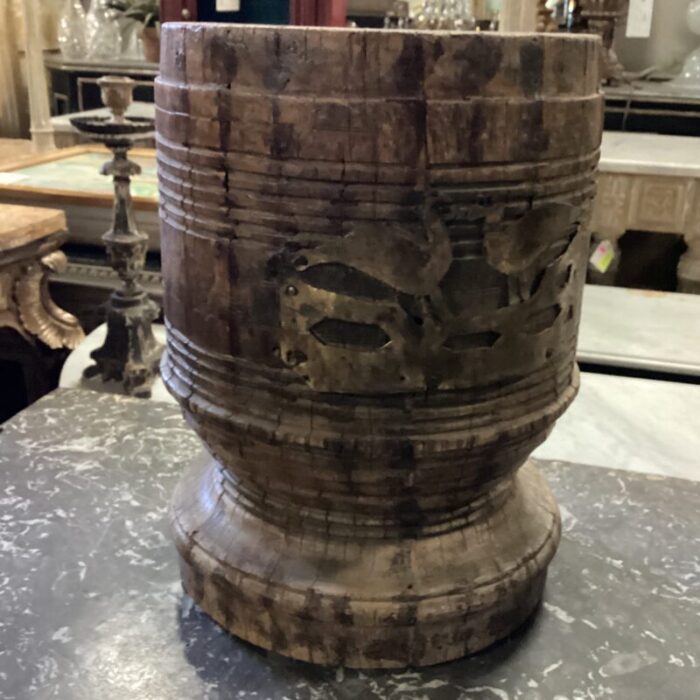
(69, 179)
(650, 182)
(33, 329)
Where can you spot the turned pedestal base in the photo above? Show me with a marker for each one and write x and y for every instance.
(130, 353)
(366, 603)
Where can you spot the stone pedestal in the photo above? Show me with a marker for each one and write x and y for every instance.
(374, 248)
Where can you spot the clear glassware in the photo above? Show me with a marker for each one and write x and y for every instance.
(465, 19)
(71, 30)
(429, 16)
(104, 38)
(446, 14)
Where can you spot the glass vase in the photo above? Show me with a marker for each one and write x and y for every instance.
(102, 31)
(446, 14)
(71, 30)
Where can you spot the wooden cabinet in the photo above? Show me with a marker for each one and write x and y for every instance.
(74, 85)
(251, 11)
(322, 13)
(178, 10)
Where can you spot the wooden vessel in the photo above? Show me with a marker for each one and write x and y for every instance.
(374, 247)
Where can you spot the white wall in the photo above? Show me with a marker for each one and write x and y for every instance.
(670, 40)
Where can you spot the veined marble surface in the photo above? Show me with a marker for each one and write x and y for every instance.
(628, 423)
(91, 604)
(640, 329)
(650, 154)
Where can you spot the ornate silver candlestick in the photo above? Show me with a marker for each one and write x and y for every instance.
(130, 353)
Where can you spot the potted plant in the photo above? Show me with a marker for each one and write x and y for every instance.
(147, 12)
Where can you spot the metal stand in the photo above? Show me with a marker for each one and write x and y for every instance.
(130, 353)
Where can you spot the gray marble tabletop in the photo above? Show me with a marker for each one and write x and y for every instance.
(650, 154)
(91, 605)
(629, 423)
(640, 329)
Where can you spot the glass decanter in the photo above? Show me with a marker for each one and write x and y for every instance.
(71, 30)
(102, 30)
(446, 14)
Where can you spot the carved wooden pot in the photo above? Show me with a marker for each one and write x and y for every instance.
(374, 246)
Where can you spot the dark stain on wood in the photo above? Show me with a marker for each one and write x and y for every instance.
(477, 63)
(531, 65)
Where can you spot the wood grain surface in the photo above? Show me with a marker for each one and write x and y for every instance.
(374, 246)
(21, 225)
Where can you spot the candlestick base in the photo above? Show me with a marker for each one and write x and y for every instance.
(130, 353)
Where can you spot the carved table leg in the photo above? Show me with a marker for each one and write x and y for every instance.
(27, 307)
(38, 313)
(36, 333)
(689, 267)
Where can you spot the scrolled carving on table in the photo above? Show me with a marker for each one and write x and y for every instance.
(39, 314)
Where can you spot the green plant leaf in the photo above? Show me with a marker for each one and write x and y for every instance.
(145, 11)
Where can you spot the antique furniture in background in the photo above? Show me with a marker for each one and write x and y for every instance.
(34, 332)
(640, 332)
(318, 13)
(649, 182)
(249, 11)
(603, 17)
(372, 320)
(178, 10)
(74, 85)
(69, 179)
(39, 111)
(130, 353)
(652, 107)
